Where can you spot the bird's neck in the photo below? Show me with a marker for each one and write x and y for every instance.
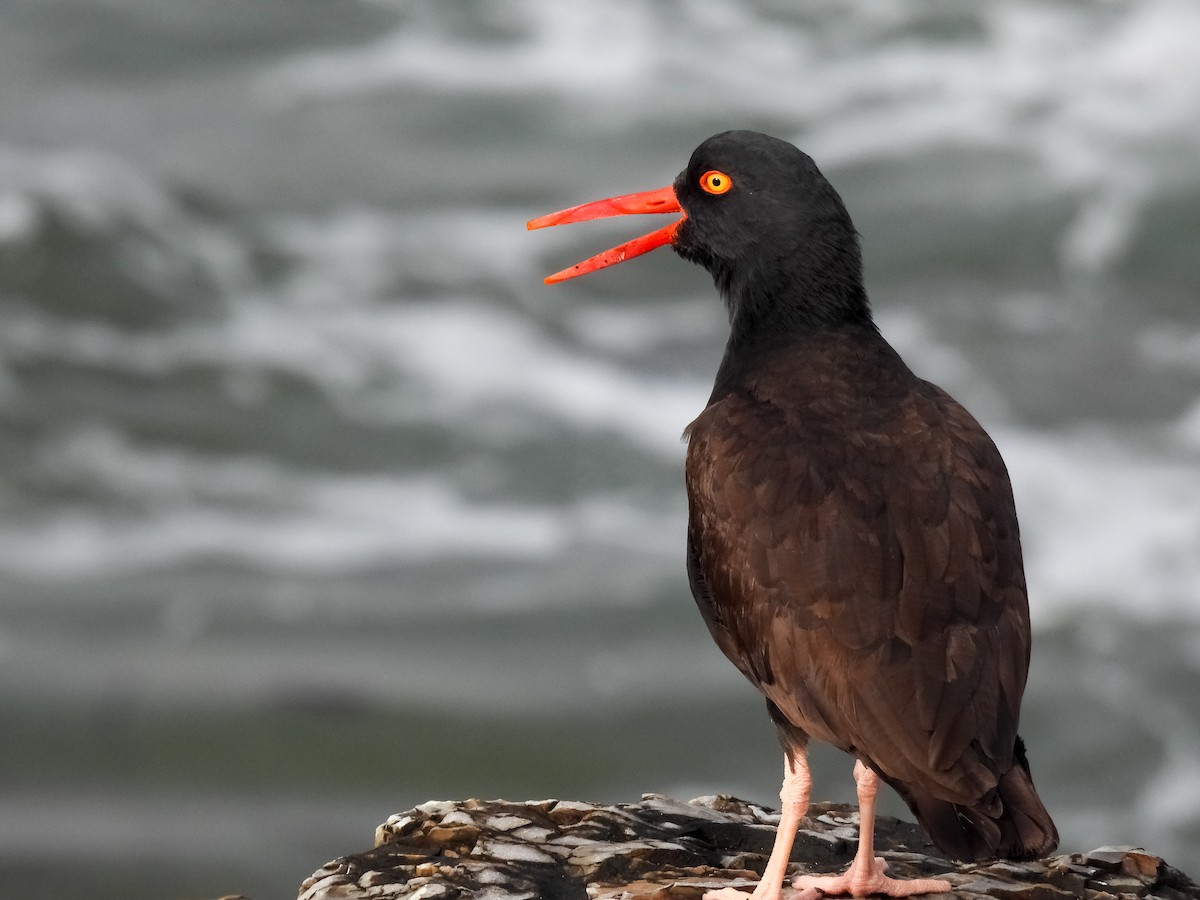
(771, 308)
(806, 280)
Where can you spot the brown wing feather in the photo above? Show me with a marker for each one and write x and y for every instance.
(853, 548)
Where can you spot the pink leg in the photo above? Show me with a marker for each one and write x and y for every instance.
(866, 873)
(793, 796)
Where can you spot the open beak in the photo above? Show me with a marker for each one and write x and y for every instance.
(660, 201)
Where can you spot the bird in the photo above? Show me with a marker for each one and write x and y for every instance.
(852, 539)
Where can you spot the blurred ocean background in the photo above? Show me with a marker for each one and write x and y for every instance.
(316, 504)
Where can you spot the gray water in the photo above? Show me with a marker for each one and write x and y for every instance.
(315, 503)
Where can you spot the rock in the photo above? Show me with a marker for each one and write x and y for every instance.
(1140, 864)
(664, 849)
(1106, 857)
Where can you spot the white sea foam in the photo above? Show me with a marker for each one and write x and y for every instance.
(1105, 526)
(471, 357)
(398, 363)
(264, 514)
(424, 52)
(1171, 347)
(96, 190)
(158, 242)
(1188, 428)
(356, 252)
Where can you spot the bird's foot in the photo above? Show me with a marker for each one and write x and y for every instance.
(776, 894)
(866, 879)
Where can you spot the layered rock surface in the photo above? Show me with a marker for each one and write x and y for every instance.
(660, 848)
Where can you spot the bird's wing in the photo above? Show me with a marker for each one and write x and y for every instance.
(869, 581)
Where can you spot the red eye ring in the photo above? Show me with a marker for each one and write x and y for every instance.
(715, 182)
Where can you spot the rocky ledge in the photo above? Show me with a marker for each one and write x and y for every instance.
(661, 848)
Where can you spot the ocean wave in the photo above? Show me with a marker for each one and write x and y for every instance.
(170, 507)
(89, 236)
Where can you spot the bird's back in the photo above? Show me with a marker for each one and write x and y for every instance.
(853, 548)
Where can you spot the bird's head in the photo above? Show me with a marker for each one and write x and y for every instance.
(760, 216)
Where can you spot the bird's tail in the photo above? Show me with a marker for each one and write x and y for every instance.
(1014, 823)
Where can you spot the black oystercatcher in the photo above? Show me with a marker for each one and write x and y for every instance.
(852, 539)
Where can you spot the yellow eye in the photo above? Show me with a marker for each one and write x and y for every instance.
(715, 182)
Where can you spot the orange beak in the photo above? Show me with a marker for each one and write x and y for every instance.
(660, 201)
